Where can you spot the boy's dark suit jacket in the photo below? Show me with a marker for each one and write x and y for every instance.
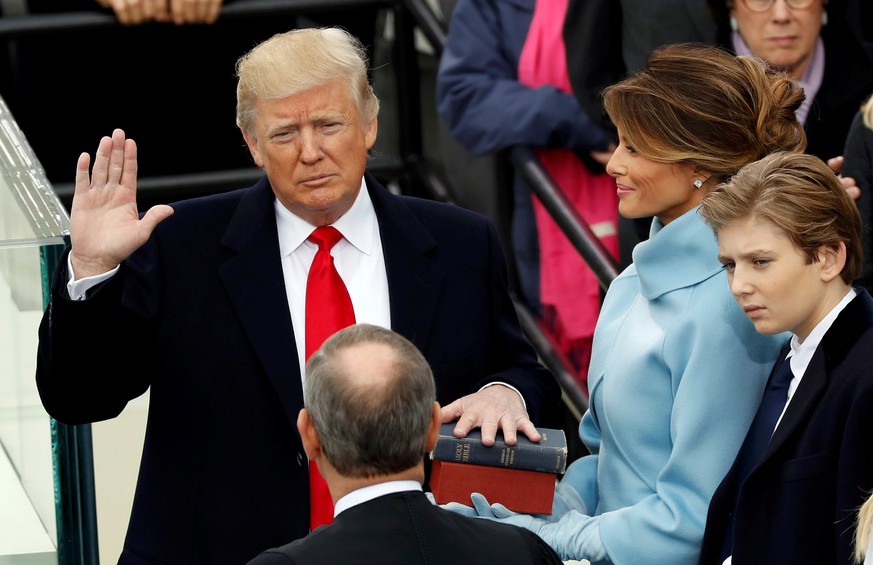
(200, 315)
(405, 528)
(800, 503)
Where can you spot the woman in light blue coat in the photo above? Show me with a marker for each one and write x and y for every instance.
(677, 369)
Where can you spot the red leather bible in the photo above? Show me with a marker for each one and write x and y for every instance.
(520, 490)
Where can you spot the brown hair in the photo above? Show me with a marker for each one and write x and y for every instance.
(701, 105)
(800, 195)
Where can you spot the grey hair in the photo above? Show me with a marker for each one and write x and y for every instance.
(377, 428)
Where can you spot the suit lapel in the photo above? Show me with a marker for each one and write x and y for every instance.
(850, 324)
(805, 398)
(414, 279)
(255, 284)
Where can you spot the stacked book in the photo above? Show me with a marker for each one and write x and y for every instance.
(521, 477)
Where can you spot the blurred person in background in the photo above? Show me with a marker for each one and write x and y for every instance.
(811, 41)
(858, 164)
(179, 12)
(503, 82)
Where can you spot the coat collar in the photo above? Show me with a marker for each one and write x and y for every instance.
(680, 254)
(255, 286)
(414, 279)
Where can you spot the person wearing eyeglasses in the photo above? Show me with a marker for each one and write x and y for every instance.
(815, 44)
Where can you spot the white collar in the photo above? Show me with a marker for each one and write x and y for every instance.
(357, 225)
(801, 353)
(364, 494)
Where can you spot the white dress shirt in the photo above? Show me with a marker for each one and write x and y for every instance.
(802, 351)
(358, 259)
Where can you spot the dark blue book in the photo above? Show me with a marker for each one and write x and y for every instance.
(549, 455)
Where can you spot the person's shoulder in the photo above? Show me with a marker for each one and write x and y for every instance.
(436, 215)
(857, 122)
(230, 198)
(853, 326)
(528, 547)
(442, 221)
(428, 207)
(210, 210)
(302, 550)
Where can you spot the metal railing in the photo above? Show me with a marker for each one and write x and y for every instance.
(555, 201)
(568, 219)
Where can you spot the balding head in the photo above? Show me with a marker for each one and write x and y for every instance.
(370, 395)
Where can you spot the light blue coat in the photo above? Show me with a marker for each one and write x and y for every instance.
(676, 375)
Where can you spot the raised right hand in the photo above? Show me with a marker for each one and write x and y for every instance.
(105, 227)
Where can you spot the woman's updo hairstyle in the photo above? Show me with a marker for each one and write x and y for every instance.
(701, 105)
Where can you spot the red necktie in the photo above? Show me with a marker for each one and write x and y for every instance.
(328, 310)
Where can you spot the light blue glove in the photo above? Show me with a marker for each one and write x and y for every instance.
(573, 535)
(566, 499)
(461, 509)
(455, 507)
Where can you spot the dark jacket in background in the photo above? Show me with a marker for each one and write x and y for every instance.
(606, 39)
(858, 164)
